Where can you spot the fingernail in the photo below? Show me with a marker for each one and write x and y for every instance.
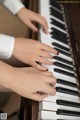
(57, 53)
(36, 31)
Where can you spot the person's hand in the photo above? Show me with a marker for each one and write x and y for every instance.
(28, 17)
(27, 82)
(33, 52)
(33, 84)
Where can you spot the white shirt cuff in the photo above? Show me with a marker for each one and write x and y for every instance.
(6, 46)
(13, 5)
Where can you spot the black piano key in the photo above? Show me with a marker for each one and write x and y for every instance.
(53, 33)
(60, 46)
(63, 66)
(68, 112)
(59, 36)
(68, 103)
(64, 82)
(63, 52)
(67, 91)
(58, 24)
(59, 39)
(56, 14)
(62, 60)
(64, 72)
(59, 33)
(55, 4)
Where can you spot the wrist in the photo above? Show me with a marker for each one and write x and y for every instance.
(6, 75)
(21, 12)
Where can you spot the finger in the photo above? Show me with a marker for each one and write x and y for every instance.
(39, 97)
(49, 49)
(45, 26)
(44, 61)
(45, 54)
(39, 67)
(53, 93)
(34, 28)
(48, 74)
(50, 90)
(42, 20)
(51, 80)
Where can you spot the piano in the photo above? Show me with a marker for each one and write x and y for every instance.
(65, 105)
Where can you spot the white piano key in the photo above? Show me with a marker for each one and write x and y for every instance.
(63, 22)
(54, 26)
(61, 68)
(65, 56)
(53, 60)
(66, 86)
(56, 9)
(55, 67)
(62, 95)
(46, 38)
(70, 65)
(51, 106)
(48, 115)
(66, 77)
(61, 49)
(68, 95)
(45, 12)
(54, 98)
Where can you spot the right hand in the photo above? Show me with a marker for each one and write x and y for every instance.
(33, 52)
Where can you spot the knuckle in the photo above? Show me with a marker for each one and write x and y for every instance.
(50, 48)
(44, 18)
(40, 99)
(55, 81)
(35, 65)
(50, 74)
(53, 92)
(49, 62)
(48, 55)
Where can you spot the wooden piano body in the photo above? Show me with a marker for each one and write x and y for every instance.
(29, 108)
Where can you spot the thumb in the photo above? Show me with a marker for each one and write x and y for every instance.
(39, 97)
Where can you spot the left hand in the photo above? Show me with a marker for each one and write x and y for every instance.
(27, 17)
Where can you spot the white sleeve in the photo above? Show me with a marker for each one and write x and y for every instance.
(6, 46)
(13, 5)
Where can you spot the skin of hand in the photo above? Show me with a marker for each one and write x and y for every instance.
(29, 51)
(27, 82)
(32, 51)
(28, 17)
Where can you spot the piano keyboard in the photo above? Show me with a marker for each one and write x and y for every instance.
(66, 103)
